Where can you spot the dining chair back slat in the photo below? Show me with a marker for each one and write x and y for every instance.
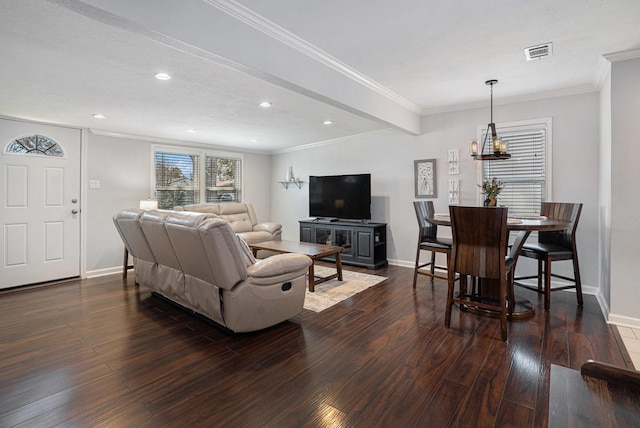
(428, 241)
(555, 246)
(424, 210)
(479, 250)
(560, 211)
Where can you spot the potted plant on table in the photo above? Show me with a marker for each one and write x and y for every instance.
(491, 189)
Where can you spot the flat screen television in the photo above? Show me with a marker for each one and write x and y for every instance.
(340, 196)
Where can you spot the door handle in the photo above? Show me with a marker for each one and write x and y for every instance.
(74, 211)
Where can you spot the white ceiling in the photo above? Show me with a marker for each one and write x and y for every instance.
(367, 65)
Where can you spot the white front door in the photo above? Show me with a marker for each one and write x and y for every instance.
(39, 203)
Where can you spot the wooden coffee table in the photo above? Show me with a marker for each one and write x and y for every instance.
(314, 251)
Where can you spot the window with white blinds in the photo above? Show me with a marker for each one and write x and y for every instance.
(177, 179)
(527, 173)
(224, 179)
(183, 176)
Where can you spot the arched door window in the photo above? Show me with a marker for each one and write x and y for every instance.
(35, 145)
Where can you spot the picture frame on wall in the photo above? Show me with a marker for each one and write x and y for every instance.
(454, 192)
(453, 159)
(425, 183)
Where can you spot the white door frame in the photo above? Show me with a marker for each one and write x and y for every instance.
(83, 202)
(82, 190)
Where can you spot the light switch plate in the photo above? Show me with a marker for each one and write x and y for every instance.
(94, 184)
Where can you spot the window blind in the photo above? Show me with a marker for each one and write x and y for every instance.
(224, 179)
(184, 176)
(524, 174)
(177, 179)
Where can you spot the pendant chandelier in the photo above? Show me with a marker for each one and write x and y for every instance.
(498, 147)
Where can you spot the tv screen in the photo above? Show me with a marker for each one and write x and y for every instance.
(340, 196)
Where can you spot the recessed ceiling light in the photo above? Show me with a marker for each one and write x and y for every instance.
(191, 131)
(255, 140)
(99, 116)
(328, 122)
(162, 76)
(265, 104)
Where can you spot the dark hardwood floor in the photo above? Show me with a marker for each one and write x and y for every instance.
(103, 352)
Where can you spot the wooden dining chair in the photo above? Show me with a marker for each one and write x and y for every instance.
(429, 241)
(554, 246)
(480, 250)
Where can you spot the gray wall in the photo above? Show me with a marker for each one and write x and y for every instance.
(625, 176)
(388, 155)
(123, 167)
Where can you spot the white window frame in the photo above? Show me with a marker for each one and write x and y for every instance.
(516, 126)
(201, 153)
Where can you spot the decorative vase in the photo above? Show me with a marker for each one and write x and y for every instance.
(490, 201)
(290, 176)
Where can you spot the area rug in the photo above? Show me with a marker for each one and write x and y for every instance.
(331, 292)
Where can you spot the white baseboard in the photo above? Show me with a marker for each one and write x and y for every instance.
(402, 263)
(102, 272)
(604, 306)
(623, 321)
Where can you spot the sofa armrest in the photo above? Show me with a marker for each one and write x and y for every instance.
(267, 226)
(280, 265)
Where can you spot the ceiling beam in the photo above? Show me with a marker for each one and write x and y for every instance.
(230, 34)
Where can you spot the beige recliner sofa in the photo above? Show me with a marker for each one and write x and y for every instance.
(242, 218)
(197, 261)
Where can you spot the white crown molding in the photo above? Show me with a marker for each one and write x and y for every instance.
(623, 55)
(170, 142)
(603, 69)
(576, 90)
(42, 122)
(604, 65)
(273, 30)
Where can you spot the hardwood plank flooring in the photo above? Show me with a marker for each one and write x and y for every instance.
(104, 352)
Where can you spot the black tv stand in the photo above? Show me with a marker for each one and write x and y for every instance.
(363, 244)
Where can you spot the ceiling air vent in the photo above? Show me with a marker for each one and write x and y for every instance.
(539, 51)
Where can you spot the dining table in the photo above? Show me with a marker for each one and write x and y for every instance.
(522, 226)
